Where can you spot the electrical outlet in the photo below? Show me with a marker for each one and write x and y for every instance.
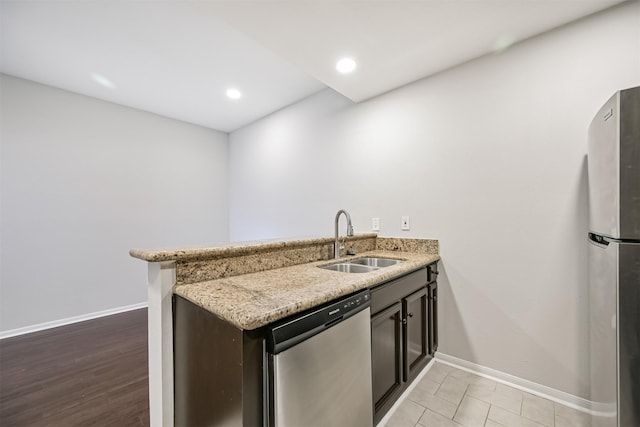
(375, 224)
(405, 223)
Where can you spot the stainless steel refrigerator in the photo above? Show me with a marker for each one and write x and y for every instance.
(614, 260)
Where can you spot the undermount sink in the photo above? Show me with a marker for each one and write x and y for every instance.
(376, 262)
(346, 267)
(362, 265)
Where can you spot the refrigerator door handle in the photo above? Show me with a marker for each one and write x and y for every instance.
(599, 240)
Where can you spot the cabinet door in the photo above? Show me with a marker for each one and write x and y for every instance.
(415, 321)
(386, 354)
(433, 318)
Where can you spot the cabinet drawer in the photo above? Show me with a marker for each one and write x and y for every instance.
(388, 293)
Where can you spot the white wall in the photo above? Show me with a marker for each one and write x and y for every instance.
(83, 181)
(489, 158)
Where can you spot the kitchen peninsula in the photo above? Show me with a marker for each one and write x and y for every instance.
(250, 285)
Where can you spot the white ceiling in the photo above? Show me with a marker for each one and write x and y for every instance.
(394, 42)
(177, 58)
(167, 57)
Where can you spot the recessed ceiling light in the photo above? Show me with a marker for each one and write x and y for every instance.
(234, 93)
(103, 81)
(346, 65)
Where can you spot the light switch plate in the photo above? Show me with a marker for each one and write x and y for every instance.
(405, 223)
(375, 224)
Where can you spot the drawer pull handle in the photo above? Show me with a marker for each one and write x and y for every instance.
(410, 314)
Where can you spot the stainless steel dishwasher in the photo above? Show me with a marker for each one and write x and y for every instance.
(320, 366)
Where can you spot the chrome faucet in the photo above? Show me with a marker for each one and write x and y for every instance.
(336, 247)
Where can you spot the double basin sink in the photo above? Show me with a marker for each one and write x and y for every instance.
(362, 265)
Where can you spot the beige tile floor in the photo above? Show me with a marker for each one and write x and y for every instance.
(449, 397)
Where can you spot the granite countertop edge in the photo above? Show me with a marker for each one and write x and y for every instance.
(223, 250)
(251, 301)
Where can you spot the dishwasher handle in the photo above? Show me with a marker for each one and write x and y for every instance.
(286, 333)
(332, 322)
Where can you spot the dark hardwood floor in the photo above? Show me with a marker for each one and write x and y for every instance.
(91, 373)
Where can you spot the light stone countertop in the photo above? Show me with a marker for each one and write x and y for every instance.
(250, 301)
(224, 250)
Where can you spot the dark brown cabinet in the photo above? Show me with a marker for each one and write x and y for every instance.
(432, 289)
(218, 370)
(433, 317)
(386, 344)
(402, 332)
(416, 346)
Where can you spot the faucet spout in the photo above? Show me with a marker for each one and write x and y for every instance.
(336, 247)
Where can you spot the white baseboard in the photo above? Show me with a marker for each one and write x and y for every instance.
(69, 320)
(549, 393)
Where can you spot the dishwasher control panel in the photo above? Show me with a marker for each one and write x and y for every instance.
(356, 301)
(297, 328)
